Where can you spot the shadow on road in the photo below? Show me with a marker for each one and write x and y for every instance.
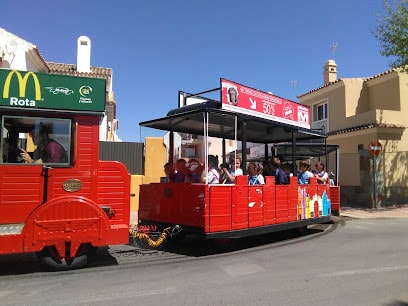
(140, 252)
(196, 247)
(396, 303)
(17, 264)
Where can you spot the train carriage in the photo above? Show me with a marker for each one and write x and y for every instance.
(237, 210)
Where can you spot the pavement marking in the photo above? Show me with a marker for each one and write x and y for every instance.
(242, 269)
(367, 271)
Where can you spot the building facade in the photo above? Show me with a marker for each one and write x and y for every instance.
(355, 113)
(18, 54)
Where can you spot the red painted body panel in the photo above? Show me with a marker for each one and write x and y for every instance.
(21, 191)
(269, 201)
(222, 208)
(255, 205)
(293, 199)
(73, 217)
(239, 204)
(174, 203)
(335, 198)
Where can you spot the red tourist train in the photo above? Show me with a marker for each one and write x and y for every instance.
(244, 116)
(64, 208)
(60, 208)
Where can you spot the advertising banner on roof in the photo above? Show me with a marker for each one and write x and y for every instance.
(35, 90)
(242, 99)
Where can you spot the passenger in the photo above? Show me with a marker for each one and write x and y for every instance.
(212, 176)
(287, 168)
(222, 170)
(332, 177)
(267, 170)
(232, 170)
(304, 174)
(280, 176)
(281, 158)
(254, 176)
(309, 170)
(321, 175)
(47, 150)
(168, 169)
(195, 170)
(179, 173)
(261, 169)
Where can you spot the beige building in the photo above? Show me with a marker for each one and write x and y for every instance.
(355, 112)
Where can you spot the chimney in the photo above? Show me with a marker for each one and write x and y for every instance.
(330, 72)
(84, 54)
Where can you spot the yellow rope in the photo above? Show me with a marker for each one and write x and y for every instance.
(153, 243)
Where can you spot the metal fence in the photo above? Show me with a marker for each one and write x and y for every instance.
(131, 154)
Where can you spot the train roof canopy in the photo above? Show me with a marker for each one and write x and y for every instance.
(303, 150)
(221, 124)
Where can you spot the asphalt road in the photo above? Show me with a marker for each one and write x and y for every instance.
(354, 262)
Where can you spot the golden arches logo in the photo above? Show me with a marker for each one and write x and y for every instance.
(22, 83)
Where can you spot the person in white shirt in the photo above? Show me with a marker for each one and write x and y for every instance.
(212, 176)
(321, 175)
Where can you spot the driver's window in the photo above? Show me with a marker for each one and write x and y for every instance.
(35, 140)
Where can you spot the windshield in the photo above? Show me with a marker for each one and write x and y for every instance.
(35, 140)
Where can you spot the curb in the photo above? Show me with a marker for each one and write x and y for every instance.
(360, 213)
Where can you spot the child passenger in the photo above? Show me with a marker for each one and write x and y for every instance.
(280, 175)
(213, 176)
(304, 174)
(254, 175)
(229, 172)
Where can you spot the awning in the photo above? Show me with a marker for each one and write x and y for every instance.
(190, 119)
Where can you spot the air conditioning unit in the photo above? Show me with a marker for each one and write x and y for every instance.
(321, 125)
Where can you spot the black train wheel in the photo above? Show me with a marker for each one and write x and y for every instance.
(52, 261)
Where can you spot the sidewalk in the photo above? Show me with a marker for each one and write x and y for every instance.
(400, 211)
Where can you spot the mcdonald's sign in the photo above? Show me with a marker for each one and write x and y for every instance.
(36, 90)
(22, 84)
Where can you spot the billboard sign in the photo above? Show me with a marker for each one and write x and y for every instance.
(34, 90)
(242, 99)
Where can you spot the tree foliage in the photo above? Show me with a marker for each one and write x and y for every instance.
(392, 32)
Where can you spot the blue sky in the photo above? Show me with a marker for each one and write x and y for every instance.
(157, 48)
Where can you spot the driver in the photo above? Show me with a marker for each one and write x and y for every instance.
(47, 151)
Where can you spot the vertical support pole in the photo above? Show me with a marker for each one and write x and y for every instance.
(244, 147)
(294, 165)
(375, 182)
(171, 147)
(224, 157)
(266, 153)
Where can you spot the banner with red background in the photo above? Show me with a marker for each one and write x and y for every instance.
(242, 99)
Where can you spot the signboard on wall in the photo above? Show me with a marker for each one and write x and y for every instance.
(242, 99)
(29, 90)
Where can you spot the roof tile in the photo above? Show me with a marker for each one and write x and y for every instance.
(70, 69)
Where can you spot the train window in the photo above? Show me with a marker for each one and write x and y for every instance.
(35, 140)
